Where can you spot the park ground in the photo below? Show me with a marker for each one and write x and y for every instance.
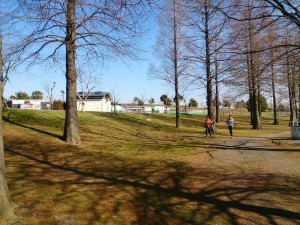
(138, 169)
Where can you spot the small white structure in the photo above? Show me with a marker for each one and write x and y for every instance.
(27, 104)
(159, 109)
(295, 130)
(118, 108)
(95, 102)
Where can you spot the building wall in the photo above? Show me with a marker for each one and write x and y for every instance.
(26, 104)
(94, 105)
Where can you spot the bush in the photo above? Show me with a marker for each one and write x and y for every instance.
(58, 105)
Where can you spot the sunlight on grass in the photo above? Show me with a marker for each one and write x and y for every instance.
(130, 168)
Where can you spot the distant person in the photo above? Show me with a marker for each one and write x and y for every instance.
(230, 123)
(208, 126)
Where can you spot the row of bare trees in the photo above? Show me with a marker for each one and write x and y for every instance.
(249, 47)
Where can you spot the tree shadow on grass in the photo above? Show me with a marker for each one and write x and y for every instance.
(32, 128)
(55, 185)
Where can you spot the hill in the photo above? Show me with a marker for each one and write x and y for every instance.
(140, 169)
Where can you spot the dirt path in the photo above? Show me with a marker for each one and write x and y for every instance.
(258, 177)
(258, 153)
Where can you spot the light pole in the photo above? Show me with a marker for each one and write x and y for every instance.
(63, 95)
(52, 96)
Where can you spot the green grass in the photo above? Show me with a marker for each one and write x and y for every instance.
(129, 169)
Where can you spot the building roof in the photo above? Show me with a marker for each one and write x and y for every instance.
(96, 95)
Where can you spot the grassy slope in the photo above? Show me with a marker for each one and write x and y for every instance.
(130, 168)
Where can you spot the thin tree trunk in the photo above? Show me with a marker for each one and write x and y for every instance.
(6, 205)
(259, 98)
(207, 64)
(299, 89)
(217, 86)
(276, 122)
(176, 66)
(291, 90)
(294, 80)
(217, 100)
(272, 38)
(71, 130)
(249, 86)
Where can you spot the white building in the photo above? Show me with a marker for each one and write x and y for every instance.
(28, 104)
(95, 102)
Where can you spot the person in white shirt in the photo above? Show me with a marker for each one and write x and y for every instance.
(230, 123)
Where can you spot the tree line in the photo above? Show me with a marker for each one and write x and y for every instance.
(245, 47)
(24, 95)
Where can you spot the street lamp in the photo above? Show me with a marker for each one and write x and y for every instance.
(52, 96)
(63, 95)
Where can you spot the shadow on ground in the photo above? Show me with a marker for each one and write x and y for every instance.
(61, 184)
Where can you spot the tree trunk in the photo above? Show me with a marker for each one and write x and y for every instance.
(256, 123)
(256, 118)
(217, 103)
(259, 98)
(294, 80)
(6, 205)
(207, 64)
(272, 42)
(299, 89)
(71, 130)
(217, 86)
(176, 66)
(291, 90)
(249, 85)
(274, 95)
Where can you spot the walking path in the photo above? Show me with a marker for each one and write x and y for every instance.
(255, 171)
(260, 153)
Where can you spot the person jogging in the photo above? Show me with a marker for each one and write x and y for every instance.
(208, 126)
(230, 123)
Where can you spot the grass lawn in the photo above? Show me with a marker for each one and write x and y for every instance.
(129, 169)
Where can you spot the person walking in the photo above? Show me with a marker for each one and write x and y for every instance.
(230, 123)
(208, 126)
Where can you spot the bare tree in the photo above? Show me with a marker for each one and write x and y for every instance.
(208, 23)
(73, 31)
(6, 205)
(47, 89)
(87, 83)
(142, 100)
(170, 49)
(271, 41)
(292, 73)
(289, 10)
(247, 60)
(151, 101)
(116, 98)
(281, 12)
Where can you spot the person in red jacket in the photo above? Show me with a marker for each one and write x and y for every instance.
(208, 126)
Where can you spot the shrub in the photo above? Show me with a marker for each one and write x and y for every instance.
(58, 105)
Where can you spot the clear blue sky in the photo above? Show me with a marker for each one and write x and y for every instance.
(124, 81)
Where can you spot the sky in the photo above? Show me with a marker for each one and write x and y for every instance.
(125, 81)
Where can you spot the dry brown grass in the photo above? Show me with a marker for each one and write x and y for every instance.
(130, 169)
